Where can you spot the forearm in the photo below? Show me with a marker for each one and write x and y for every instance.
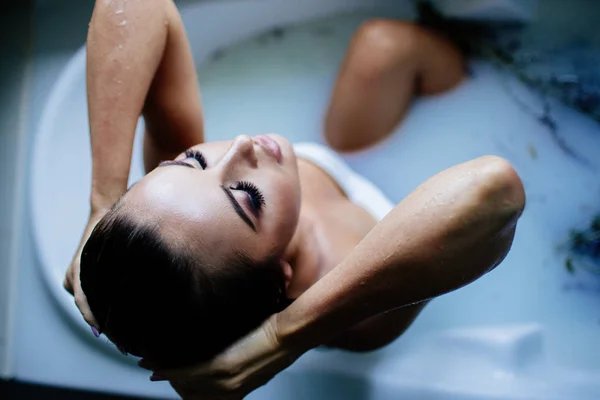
(173, 109)
(451, 230)
(125, 44)
(378, 331)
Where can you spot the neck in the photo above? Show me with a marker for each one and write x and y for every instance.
(302, 254)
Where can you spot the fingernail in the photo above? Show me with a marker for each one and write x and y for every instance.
(157, 378)
(145, 365)
(95, 332)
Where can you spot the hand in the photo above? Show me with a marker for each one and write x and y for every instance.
(245, 366)
(72, 283)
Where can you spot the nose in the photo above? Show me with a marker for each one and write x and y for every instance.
(241, 153)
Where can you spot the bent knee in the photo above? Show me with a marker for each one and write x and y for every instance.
(382, 44)
(385, 35)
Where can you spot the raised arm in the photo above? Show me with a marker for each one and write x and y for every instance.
(451, 230)
(138, 60)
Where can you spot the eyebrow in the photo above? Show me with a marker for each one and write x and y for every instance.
(238, 208)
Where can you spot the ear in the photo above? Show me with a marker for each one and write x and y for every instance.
(288, 272)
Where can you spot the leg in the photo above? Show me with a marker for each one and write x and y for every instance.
(387, 64)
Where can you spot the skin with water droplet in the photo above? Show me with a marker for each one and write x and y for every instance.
(120, 7)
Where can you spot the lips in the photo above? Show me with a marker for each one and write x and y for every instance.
(269, 145)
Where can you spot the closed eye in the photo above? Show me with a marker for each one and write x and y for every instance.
(189, 155)
(256, 198)
(198, 156)
(239, 210)
(179, 163)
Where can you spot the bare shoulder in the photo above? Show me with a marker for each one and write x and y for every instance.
(339, 223)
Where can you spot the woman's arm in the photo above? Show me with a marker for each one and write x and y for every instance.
(378, 331)
(387, 64)
(173, 109)
(451, 230)
(138, 59)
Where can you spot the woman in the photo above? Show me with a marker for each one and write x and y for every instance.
(210, 245)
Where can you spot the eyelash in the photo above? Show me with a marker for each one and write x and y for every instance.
(258, 200)
(196, 155)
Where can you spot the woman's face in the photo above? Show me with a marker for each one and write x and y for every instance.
(241, 195)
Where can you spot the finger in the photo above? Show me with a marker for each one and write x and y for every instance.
(70, 278)
(67, 285)
(180, 373)
(145, 364)
(84, 309)
(156, 377)
(180, 376)
(149, 364)
(219, 367)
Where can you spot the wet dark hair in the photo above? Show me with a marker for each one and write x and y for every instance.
(163, 303)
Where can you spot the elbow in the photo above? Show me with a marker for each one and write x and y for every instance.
(121, 15)
(502, 188)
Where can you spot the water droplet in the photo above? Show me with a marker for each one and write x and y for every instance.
(120, 47)
(120, 7)
(123, 23)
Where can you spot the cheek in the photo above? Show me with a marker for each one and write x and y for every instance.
(283, 206)
(288, 207)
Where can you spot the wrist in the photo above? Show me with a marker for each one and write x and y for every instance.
(98, 208)
(293, 333)
(102, 201)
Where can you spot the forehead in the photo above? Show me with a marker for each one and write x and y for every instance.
(188, 207)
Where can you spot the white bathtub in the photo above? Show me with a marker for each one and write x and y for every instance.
(515, 334)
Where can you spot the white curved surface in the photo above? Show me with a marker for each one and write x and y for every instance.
(514, 334)
(62, 145)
